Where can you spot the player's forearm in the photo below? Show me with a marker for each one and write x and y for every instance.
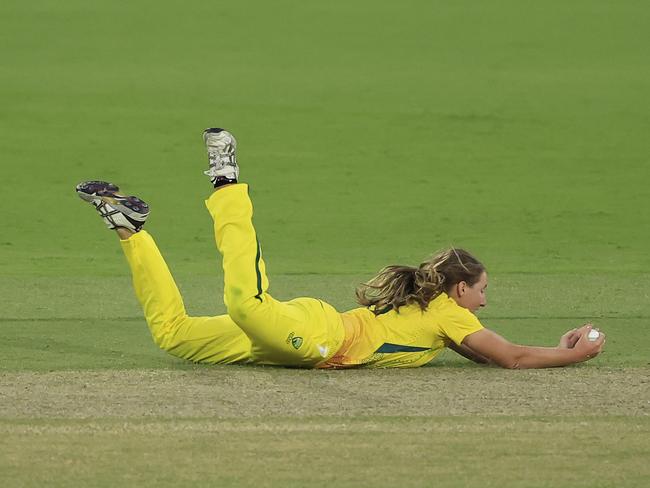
(513, 356)
(526, 357)
(469, 353)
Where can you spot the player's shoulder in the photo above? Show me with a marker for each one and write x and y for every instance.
(445, 306)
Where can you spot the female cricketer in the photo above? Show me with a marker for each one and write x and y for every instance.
(408, 314)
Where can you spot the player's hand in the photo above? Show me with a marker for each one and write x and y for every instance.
(585, 348)
(568, 340)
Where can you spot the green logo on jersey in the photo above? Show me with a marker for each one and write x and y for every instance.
(295, 341)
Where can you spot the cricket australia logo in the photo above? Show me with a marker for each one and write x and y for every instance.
(295, 341)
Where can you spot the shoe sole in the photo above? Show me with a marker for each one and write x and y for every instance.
(91, 190)
(96, 192)
(130, 206)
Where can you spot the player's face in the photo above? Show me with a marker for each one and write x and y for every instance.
(472, 297)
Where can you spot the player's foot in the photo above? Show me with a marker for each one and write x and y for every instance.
(116, 210)
(221, 146)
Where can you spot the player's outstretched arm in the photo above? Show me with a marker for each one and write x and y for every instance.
(466, 352)
(574, 347)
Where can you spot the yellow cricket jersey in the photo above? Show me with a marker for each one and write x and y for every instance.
(406, 338)
(304, 332)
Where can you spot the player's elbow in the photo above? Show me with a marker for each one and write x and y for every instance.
(512, 364)
(508, 363)
(512, 359)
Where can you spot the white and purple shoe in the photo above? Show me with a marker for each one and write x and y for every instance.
(116, 210)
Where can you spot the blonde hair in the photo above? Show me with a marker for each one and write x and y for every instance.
(396, 286)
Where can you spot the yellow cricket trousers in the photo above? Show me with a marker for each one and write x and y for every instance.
(302, 332)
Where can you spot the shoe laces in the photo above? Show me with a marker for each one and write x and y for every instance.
(220, 157)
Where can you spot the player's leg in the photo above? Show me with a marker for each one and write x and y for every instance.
(200, 339)
(301, 332)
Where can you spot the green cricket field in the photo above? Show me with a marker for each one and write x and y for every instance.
(371, 133)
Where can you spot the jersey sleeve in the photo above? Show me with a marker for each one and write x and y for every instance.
(460, 324)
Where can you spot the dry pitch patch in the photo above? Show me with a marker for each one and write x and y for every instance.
(267, 427)
(236, 392)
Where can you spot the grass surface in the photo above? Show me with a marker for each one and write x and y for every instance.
(282, 452)
(371, 133)
(240, 426)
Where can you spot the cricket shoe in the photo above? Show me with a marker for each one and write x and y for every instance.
(116, 210)
(221, 146)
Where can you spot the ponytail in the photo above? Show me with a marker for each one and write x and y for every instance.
(396, 286)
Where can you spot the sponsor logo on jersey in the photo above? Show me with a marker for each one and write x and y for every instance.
(294, 340)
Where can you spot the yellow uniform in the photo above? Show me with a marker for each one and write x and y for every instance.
(304, 332)
(407, 338)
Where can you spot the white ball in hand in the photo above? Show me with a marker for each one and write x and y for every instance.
(593, 335)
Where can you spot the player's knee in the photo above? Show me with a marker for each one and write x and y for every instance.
(241, 308)
(160, 340)
(164, 330)
(238, 310)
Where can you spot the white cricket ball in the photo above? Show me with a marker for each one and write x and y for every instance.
(593, 335)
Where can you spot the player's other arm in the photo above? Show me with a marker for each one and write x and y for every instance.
(574, 347)
(468, 353)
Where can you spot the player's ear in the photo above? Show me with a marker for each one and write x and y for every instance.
(461, 287)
